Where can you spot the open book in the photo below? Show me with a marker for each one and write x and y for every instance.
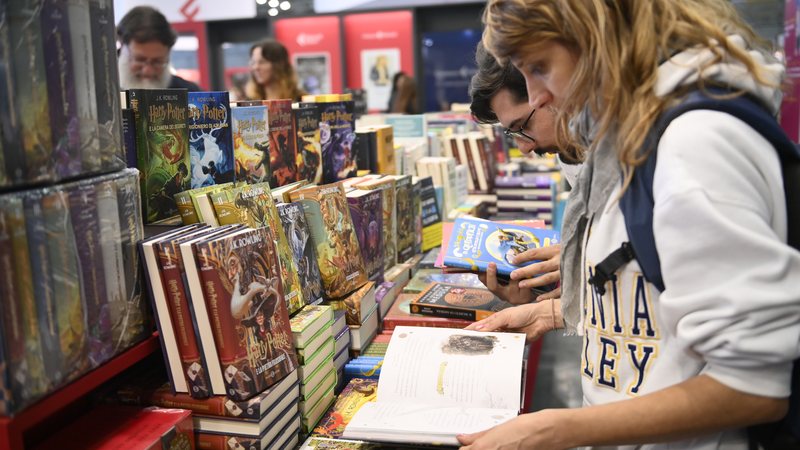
(437, 383)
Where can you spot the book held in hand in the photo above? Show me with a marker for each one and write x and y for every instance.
(437, 383)
(475, 243)
(457, 302)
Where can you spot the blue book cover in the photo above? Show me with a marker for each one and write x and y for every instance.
(210, 140)
(475, 243)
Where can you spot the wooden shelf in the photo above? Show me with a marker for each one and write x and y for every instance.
(12, 429)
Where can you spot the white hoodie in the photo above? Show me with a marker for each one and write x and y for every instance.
(731, 307)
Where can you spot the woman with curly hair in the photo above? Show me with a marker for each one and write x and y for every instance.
(272, 76)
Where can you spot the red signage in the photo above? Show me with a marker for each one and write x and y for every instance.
(315, 50)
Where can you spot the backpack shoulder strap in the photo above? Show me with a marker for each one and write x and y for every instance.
(637, 201)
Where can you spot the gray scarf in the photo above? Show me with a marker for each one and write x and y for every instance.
(600, 175)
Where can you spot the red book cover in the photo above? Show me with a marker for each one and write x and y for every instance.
(400, 314)
(248, 315)
(282, 143)
(109, 427)
(171, 262)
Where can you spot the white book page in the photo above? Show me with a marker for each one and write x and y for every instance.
(447, 367)
(404, 422)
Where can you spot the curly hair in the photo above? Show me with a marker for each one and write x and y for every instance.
(618, 46)
(282, 72)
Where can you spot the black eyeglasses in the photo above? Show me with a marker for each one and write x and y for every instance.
(520, 132)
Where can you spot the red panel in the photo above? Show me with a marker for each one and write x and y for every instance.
(378, 39)
(790, 108)
(197, 29)
(314, 36)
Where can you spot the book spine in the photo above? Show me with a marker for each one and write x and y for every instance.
(61, 88)
(212, 406)
(86, 226)
(66, 286)
(129, 136)
(186, 208)
(446, 312)
(42, 288)
(208, 441)
(192, 362)
(225, 209)
(132, 324)
(83, 76)
(106, 74)
(30, 84)
(12, 161)
(405, 220)
(482, 156)
(111, 250)
(31, 379)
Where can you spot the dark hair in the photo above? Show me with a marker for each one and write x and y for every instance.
(403, 97)
(282, 72)
(145, 24)
(490, 78)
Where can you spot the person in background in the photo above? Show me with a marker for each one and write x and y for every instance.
(146, 38)
(499, 95)
(272, 76)
(403, 99)
(692, 365)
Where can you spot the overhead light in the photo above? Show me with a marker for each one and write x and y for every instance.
(272, 12)
(285, 5)
(273, 3)
(261, 2)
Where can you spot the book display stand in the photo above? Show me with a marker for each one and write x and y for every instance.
(14, 430)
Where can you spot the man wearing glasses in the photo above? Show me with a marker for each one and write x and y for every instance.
(145, 39)
(499, 95)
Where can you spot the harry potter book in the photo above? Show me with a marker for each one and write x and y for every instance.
(337, 139)
(437, 383)
(404, 213)
(110, 249)
(387, 188)
(304, 255)
(400, 315)
(210, 143)
(64, 120)
(46, 309)
(243, 295)
(34, 155)
(251, 144)
(358, 304)
(308, 322)
(338, 252)
(12, 162)
(162, 148)
(86, 227)
(282, 143)
(357, 392)
(80, 34)
(106, 77)
(307, 127)
(366, 210)
(254, 206)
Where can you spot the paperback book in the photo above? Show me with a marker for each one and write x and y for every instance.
(366, 210)
(251, 144)
(304, 255)
(457, 302)
(282, 143)
(307, 127)
(210, 143)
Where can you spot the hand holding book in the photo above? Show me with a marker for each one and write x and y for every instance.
(533, 319)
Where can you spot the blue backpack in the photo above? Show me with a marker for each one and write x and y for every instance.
(637, 208)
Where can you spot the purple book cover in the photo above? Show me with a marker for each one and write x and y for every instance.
(367, 213)
(106, 78)
(528, 180)
(337, 137)
(86, 227)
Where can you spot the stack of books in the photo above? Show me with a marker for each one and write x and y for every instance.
(312, 333)
(527, 196)
(341, 345)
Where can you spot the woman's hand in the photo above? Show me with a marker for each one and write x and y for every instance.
(538, 431)
(533, 319)
(509, 292)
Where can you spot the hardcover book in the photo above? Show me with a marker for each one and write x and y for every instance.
(358, 304)
(404, 213)
(308, 321)
(304, 255)
(210, 143)
(457, 302)
(106, 77)
(386, 186)
(80, 32)
(64, 120)
(86, 226)
(475, 243)
(34, 155)
(282, 143)
(306, 125)
(162, 148)
(400, 315)
(255, 207)
(357, 392)
(247, 313)
(437, 383)
(337, 137)
(338, 253)
(251, 144)
(366, 210)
